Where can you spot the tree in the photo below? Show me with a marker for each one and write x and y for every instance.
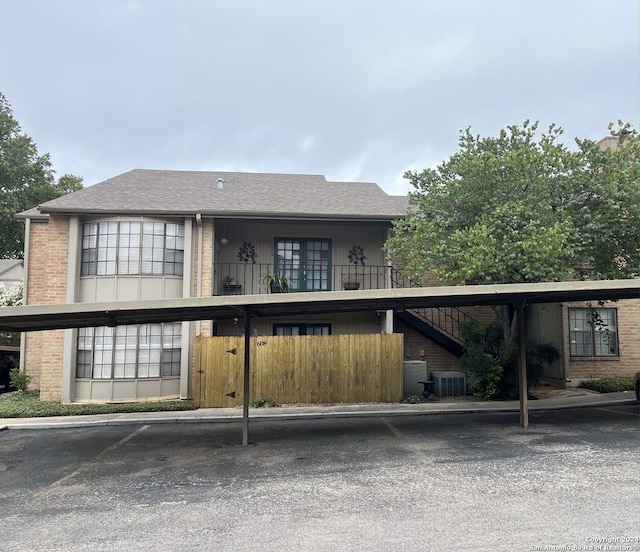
(10, 297)
(521, 208)
(26, 180)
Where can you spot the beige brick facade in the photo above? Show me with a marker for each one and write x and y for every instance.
(204, 268)
(414, 342)
(47, 285)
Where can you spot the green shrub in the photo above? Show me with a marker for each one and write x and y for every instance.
(263, 403)
(485, 372)
(412, 399)
(28, 405)
(609, 385)
(537, 355)
(19, 380)
(493, 370)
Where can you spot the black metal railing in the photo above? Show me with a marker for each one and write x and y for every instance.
(250, 279)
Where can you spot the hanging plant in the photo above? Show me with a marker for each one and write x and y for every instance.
(356, 255)
(247, 253)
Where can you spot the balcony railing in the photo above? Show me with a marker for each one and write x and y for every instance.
(247, 278)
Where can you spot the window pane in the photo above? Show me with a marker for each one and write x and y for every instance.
(605, 332)
(144, 351)
(89, 248)
(129, 248)
(83, 356)
(103, 353)
(124, 361)
(580, 333)
(107, 244)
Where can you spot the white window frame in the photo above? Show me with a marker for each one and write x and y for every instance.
(145, 351)
(132, 247)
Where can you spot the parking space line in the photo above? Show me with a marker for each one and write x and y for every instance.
(636, 414)
(393, 428)
(99, 456)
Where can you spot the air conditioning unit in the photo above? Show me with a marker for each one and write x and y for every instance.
(449, 384)
(413, 372)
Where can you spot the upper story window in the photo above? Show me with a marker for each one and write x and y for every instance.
(122, 247)
(593, 332)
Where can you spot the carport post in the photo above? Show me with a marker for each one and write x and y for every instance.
(245, 392)
(522, 365)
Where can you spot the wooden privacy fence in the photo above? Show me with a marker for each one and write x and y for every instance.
(300, 369)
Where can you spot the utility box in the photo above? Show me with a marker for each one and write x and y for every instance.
(413, 372)
(449, 384)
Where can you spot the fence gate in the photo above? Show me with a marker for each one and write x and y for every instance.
(300, 369)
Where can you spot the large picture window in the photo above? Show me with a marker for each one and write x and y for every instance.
(123, 247)
(593, 332)
(129, 352)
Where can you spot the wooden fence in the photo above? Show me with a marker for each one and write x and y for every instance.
(300, 369)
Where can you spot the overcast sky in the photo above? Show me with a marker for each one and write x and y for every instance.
(355, 90)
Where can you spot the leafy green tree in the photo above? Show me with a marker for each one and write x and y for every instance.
(26, 180)
(523, 207)
(10, 297)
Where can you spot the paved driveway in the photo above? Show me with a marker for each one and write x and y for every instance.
(450, 482)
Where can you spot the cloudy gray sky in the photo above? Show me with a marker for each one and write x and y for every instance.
(352, 89)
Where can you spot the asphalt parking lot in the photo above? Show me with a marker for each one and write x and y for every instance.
(439, 482)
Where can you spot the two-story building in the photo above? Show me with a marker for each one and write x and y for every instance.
(150, 234)
(156, 234)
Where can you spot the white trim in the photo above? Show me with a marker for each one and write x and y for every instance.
(25, 287)
(68, 348)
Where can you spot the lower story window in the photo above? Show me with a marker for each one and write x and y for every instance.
(129, 352)
(593, 332)
(302, 329)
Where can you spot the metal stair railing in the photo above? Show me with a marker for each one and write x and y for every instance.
(446, 319)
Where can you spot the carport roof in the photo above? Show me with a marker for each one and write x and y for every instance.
(76, 315)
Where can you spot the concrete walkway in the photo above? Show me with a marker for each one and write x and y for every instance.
(226, 415)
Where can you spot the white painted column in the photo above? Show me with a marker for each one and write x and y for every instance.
(70, 335)
(187, 291)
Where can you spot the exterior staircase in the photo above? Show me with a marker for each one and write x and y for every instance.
(440, 324)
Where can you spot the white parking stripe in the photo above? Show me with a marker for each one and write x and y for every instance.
(393, 429)
(105, 451)
(619, 412)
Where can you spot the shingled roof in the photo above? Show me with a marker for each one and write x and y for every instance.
(143, 191)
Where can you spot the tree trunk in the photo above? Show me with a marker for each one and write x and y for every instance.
(508, 318)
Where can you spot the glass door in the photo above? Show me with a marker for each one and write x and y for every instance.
(306, 262)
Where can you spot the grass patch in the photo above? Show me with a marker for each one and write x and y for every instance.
(29, 405)
(263, 403)
(608, 385)
(412, 399)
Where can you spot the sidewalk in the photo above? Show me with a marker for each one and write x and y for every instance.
(226, 415)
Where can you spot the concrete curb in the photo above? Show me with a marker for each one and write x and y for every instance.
(192, 416)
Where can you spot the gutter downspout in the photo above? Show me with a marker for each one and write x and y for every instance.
(199, 266)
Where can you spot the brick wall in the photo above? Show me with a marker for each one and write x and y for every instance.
(206, 265)
(626, 363)
(437, 358)
(47, 285)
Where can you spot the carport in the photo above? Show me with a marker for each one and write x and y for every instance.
(79, 315)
